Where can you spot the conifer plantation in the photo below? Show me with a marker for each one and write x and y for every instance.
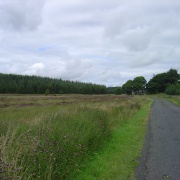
(21, 84)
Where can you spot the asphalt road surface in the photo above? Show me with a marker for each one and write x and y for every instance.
(161, 154)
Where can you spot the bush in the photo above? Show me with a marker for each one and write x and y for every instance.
(173, 89)
(118, 91)
(47, 92)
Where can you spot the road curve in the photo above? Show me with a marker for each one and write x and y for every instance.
(161, 154)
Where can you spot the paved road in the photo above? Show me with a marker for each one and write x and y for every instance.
(161, 153)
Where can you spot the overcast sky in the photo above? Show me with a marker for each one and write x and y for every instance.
(100, 41)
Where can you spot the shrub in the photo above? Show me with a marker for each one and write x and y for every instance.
(173, 89)
(118, 91)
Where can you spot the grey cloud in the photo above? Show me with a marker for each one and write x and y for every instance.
(102, 41)
(146, 59)
(108, 75)
(19, 15)
(137, 39)
(77, 69)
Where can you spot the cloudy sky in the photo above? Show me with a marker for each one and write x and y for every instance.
(100, 41)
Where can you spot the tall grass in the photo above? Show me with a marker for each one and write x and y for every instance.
(173, 99)
(55, 142)
(118, 158)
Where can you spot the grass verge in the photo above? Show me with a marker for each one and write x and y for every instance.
(119, 157)
(174, 99)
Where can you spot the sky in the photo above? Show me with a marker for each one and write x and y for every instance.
(99, 41)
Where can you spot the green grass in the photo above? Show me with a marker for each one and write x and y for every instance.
(173, 99)
(55, 140)
(119, 157)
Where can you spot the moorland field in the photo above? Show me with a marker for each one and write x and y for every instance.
(70, 136)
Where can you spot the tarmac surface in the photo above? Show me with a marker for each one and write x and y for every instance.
(161, 154)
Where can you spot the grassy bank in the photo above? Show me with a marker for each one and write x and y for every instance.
(56, 137)
(119, 157)
(173, 99)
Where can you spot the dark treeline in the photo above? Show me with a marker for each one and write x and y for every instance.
(23, 84)
(114, 90)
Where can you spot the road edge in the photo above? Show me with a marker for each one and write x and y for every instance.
(141, 169)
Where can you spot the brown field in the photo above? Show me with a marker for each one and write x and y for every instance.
(20, 101)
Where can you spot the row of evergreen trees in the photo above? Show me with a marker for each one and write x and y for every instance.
(22, 84)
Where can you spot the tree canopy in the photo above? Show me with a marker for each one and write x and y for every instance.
(173, 89)
(160, 82)
(128, 87)
(139, 84)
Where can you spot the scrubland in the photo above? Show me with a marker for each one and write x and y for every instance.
(71, 136)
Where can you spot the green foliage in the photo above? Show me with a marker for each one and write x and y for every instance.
(128, 87)
(173, 89)
(114, 90)
(139, 84)
(160, 82)
(118, 91)
(118, 158)
(20, 84)
(173, 99)
(111, 90)
(47, 92)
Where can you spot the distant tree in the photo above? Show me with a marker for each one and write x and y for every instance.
(127, 88)
(172, 76)
(173, 89)
(153, 87)
(111, 90)
(118, 91)
(160, 82)
(139, 84)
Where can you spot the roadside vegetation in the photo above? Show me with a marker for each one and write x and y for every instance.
(173, 89)
(119, 157)
(58, 137)
(173, 99)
